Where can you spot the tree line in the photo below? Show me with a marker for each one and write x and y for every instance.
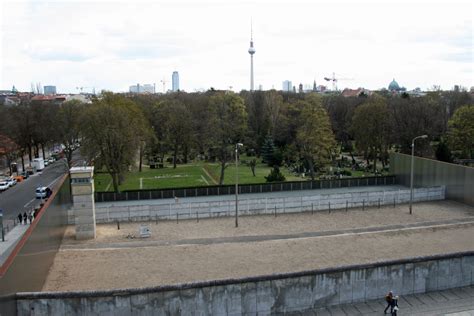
(117, 131)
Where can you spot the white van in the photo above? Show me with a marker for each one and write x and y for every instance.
(38, 164)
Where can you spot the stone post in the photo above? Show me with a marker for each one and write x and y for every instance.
(82, 188)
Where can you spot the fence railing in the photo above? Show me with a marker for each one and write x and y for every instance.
(263, 206)
(243, 189)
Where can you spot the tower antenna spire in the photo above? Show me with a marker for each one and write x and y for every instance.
(251, 52)
(251, 30)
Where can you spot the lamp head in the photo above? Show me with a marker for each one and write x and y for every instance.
(424, 136)
(239, 144)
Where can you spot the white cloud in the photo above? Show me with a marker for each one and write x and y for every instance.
(114, 44)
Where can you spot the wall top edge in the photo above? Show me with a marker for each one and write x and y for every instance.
(223, 282)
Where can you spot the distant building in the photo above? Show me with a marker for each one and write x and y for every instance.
(49, 90)
(145, 88)
(287, 86)
(395, 88)
(355, 92)
(300, 88)
(175, 81)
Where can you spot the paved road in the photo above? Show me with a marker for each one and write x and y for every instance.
(22, 195)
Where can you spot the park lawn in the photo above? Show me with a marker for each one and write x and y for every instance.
(183, 176)
(245, 173)
(197, 174)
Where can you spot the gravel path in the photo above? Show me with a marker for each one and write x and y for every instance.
(77, 267)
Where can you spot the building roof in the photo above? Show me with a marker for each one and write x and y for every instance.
(393, 86)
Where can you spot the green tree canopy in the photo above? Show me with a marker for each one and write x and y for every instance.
(228, 124)
(112, 130)
(370, 126)
(314, 136)
(461, 131)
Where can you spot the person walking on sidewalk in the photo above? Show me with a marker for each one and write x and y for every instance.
(25, 218)
(389, 300)
(20, 218)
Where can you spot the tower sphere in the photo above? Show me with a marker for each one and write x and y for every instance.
(251, 50)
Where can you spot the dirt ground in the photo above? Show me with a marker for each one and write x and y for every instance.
(114, 261)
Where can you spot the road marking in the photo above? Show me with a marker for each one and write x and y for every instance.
(29, 202)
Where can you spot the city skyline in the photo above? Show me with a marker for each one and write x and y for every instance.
(102, 46)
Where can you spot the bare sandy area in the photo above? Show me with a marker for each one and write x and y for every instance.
(140, 263)
(282, 224)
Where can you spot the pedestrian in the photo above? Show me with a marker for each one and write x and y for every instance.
(30, 217)
(394, 306)
(20, 218)
(25, 218)
(389, 300)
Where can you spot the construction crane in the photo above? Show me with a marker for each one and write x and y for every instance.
(82, 88)
(335, 80)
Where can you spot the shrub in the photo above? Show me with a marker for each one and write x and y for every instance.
(275, 175)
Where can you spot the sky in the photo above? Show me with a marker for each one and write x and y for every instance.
(114, 44)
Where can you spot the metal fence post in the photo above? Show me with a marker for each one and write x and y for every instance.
(177, 217)
(312, 209)
(329, 205)
(346, 205)
(275, 211)
(363, 205)
(197, 217)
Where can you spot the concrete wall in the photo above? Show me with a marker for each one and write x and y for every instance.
(316, 202)
(28, 264)
(264, 295)
(459, 180)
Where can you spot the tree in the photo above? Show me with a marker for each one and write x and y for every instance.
(443, 153)
(370, 125)
(228, 124)
(275, 175)
(67, 126)
(267, 151)
(176, 125)
(112, 129)
(461, 131)
(314, 136)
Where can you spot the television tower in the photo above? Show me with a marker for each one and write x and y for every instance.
(251, 52)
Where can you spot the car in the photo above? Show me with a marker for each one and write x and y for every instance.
(11, 181)
(43, 192)
(19, 178)
(4, 185)
(25, 175)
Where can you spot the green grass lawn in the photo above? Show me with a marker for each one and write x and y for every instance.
(197, 174)
(194, 174)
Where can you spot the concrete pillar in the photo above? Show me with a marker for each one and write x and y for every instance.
(82, 188)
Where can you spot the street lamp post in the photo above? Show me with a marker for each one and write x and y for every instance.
(237, 183)
(411, 172)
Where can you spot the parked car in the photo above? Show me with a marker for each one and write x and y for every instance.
(4, 185)
(11, 181)
(43, 192)
(19, 178)
(25, 175)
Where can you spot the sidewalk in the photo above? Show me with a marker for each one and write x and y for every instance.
(11, 239)
(454, 302)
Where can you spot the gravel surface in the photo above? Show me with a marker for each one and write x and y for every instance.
(79, 266)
